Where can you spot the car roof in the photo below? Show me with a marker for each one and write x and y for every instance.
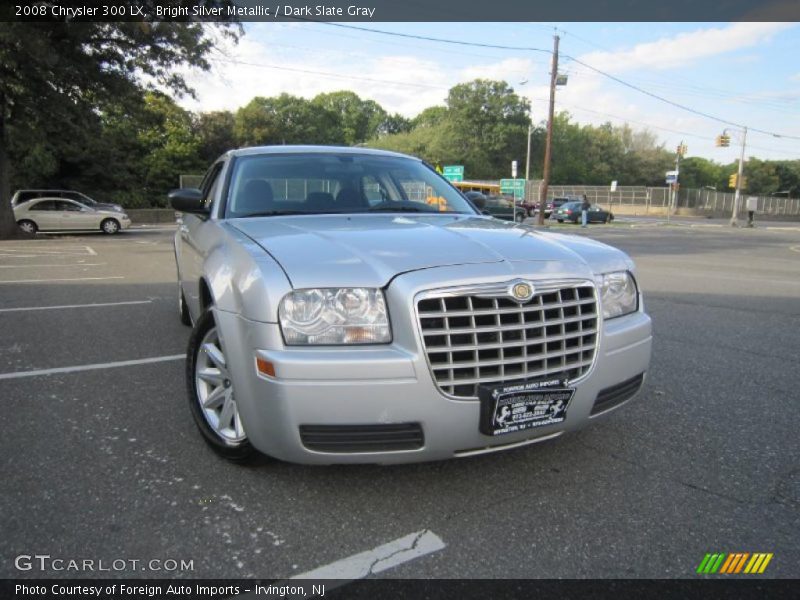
(256, 150)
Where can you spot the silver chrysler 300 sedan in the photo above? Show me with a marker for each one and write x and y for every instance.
(350, 305)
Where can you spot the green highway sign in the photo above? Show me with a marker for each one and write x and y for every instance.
(454, 172)
(513, 186)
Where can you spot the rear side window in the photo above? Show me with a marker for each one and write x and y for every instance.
(44, 205)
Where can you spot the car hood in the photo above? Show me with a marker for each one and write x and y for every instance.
(369, 250)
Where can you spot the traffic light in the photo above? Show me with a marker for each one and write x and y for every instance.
(723, 141)
(682, 150)
(732, 180)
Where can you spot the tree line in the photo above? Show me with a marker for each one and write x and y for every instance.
(134, 153)
(75, 113)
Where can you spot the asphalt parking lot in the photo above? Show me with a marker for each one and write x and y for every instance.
(101, 460)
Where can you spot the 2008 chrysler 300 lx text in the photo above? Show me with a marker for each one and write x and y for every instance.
(350, 305)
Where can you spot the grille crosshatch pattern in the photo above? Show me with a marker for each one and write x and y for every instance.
(479, 338)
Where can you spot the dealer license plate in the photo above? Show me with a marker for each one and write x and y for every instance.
(513, 408)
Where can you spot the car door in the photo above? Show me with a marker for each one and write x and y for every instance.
(192, 247)
(44, 214)
(72, 217)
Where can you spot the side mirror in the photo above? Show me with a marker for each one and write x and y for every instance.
(486, 212)
(188, 200)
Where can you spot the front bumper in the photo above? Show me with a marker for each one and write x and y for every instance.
(392, 384)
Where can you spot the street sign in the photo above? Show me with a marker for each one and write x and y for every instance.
(513, 186)
(614, 186)
(454, 172)
(514, 169)
(672, 177)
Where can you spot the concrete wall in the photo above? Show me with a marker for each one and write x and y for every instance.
(141, 216)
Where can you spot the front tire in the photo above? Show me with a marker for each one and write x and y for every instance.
(211, 393)
(520, 217)
(110, 226)
(28, 226)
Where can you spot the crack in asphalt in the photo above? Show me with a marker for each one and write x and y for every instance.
(413, 546)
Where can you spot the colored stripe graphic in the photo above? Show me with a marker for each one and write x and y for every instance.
(726, 567)
(703, 563)
(734, 563)
(740, 564)
(765, 563)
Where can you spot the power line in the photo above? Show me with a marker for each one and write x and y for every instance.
(676, 104)
(441, 40)
(575, 60)
(334, 75)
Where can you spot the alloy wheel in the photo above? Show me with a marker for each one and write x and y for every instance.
(215, 390)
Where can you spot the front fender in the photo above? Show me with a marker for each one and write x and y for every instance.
(245, 280)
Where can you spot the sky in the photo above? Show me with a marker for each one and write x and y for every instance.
(745, 73)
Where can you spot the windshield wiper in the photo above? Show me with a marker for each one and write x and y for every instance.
(400, 209)
(274, 213)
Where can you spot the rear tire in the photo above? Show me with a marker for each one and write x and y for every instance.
(110, 226)
(211, 395)
(28, 226)
(520, 217)
(560, 220)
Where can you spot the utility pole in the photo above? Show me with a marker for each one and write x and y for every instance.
(528, 159)
(736, 196)
(549, 140)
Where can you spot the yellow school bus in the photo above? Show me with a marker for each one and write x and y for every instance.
(487, 189)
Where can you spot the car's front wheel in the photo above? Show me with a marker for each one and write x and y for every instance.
(519, 217)
(110, 226)
(211, 393)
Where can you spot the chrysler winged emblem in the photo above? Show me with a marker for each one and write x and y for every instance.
(521, 291)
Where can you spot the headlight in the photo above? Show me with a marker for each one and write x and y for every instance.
(334, 316)
(618, 294)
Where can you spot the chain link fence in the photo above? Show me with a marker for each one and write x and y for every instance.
(702, 200)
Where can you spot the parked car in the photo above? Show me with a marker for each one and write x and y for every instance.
(500, 207)
(338, 317)
(571, 211)
(59, 214)
(21, 196)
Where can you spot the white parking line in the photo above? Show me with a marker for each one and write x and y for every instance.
(379, 559)
(64, 279)
(78, 368)
(33, 266)
(26, 308)
(44, 250)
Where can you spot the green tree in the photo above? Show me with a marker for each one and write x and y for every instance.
(700, 173)
(285, 119)
(215, 131)
(762, 177)
(172, 146)
(490, 125)
(62, 75)
(358, 120)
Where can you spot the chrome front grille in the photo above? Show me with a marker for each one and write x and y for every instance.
(480, 335)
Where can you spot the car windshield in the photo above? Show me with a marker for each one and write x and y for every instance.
(324, 183)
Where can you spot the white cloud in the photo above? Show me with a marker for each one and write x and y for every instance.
(684, 48)
(512, 70)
